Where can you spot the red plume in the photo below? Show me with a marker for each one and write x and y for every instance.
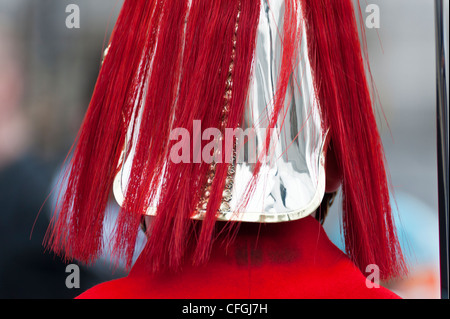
(346, 107)
(76, 228)
(171, 63)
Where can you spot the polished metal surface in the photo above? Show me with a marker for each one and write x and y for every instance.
(291, 184)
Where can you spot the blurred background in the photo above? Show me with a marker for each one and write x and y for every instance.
(47, 75)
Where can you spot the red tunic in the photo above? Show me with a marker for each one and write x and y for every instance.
(267, 261)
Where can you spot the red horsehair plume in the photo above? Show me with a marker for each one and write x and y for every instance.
(170, 61)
